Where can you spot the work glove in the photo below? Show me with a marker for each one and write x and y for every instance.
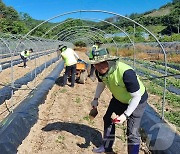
(94, 103)
(0, 68)
(119, 119)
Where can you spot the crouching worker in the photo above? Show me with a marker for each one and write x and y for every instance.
(24, 55)
(129, 99)
(70, 58)
(95, 47)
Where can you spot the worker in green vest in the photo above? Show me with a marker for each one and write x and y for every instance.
(25, 55)
(95, 47)
(129, 99)
(70, 58)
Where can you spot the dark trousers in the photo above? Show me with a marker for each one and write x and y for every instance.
(92, 71)
(133, 123)
(70, 70)
(24, 60)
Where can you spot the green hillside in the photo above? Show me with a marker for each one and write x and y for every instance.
(162, 11)
(164, 22)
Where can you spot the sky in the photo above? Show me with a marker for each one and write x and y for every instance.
(47, 9)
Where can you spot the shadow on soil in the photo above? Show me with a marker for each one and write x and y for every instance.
(21, 66)
(90, 134)
(59, 81)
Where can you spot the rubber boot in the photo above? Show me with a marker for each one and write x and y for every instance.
(133, 149)
(99, 149)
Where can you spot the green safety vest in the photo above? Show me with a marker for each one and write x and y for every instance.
(114, 81)
(90, 54)
(25, 55)
(68, 56)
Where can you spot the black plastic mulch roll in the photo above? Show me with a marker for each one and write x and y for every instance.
(17, 125)
(160, 137)
(5, 92)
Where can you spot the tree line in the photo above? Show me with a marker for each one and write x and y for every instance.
(165, 26)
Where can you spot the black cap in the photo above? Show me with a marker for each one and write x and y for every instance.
(31, 49)
(62, 47)
(98, 42)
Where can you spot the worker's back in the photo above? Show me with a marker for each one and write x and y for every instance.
(69, 57)
(25, 53)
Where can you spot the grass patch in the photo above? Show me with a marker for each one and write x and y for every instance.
(60, 139)
(63, 90)
(173, 117)
(122, 137)
(88, 119)
(78, 100)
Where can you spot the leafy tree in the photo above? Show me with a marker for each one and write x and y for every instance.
(80, 44)
(25, 16)
(13, 27)
(11, 13)
(175, 1)
(134, 15)
(19, 28)
(2, 8)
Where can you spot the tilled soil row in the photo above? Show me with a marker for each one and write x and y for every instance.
(23, 92)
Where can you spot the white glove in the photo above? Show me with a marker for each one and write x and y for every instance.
(0, 68)
(120, 119)
(94, 103)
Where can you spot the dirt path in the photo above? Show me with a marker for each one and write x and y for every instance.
(63, 125)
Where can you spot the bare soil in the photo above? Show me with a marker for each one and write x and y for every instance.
(63, 125)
